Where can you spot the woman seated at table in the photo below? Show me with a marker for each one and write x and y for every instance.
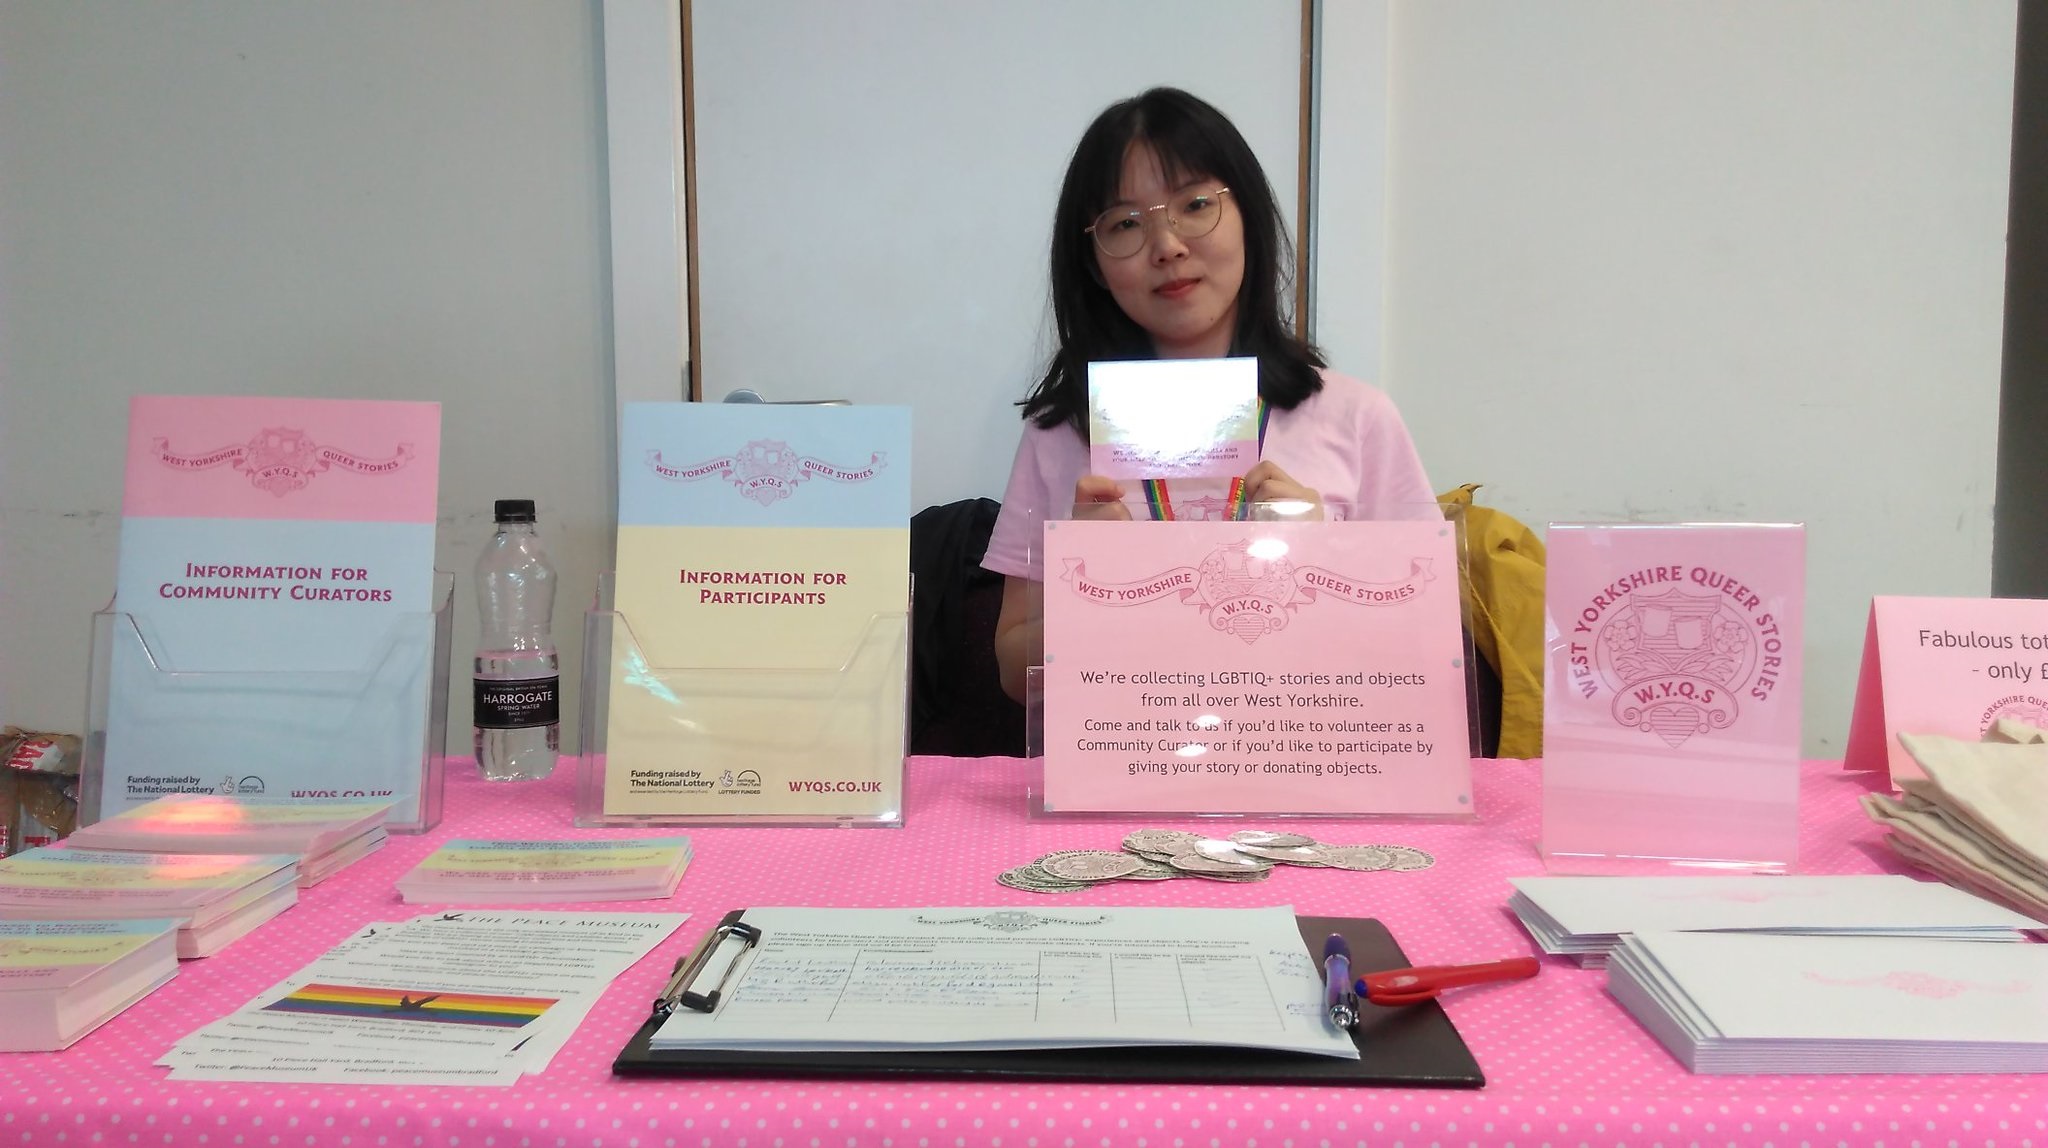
(1167, 244)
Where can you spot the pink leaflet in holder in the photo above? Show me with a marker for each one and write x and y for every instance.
(1671, 712)
(1173, 418)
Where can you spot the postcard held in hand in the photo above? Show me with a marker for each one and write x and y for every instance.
(759, 660)
(1254, 667)
(1671, 700)
(1950, 666)
(277, 561)
(1173, 418)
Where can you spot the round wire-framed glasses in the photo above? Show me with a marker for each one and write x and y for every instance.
(1120, 231)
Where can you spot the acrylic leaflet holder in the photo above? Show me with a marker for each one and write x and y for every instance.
(1252, 665)
(378, 731)
(1671, 699)
(666, 744)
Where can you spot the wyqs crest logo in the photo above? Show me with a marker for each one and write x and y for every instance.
(280, 460)
(1245, 594)
(1678, 650)
(765, 470)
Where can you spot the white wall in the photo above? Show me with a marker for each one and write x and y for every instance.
(384, 198)
(1699, 259)
(1713, 260)
(876, 183)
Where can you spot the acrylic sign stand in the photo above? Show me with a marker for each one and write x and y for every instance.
(254, 728)
(1672, 697)
(713, 745)
(1253, 666)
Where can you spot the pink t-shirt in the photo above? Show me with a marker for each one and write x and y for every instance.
(1346, 442)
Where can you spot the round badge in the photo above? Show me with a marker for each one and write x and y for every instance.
(1407, 858)
(1291, 854)
(1167, 841)
(1358, 858)
(1016, 879)
(1090, 865)
(1271, 840)
(1224, 851)
(1198, 863)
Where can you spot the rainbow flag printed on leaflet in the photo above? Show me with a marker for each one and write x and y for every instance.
(414, 1004)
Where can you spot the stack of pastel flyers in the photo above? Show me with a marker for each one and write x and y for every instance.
(327, 836)
(214, 898)
(548, 872)
(1746, 1003)
(61, 979)
(1586, 917)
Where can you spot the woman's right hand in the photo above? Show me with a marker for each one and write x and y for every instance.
(1100, 499)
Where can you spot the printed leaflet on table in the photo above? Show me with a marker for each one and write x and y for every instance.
(448, 998)
(261, 539)
(533, 872)
(61, 979)
(216, 898)
(1254, 667)
(957, 979)
(758, 666)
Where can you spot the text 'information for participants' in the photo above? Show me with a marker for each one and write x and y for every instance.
(1252, 667)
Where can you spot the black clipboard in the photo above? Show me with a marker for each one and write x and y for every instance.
(1411, 1046)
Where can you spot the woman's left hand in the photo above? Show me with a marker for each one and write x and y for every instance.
(1267, 483)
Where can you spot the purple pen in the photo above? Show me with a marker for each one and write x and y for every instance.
(1338, 1000)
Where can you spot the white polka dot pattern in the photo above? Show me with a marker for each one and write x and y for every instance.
(1564, 1064)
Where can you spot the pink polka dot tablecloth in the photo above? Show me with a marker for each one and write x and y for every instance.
(1564, 1064)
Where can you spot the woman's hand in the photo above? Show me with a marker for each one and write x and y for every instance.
(1290, 501)
(1020, 633)
(1100, 499)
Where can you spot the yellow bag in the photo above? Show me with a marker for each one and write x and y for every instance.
(1503, 591)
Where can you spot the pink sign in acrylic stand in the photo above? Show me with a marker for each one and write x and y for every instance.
(1671, 718)
(1303, 668)
(1946, 666)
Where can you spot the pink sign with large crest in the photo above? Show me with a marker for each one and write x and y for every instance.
(1671, 717)
(1254, 667)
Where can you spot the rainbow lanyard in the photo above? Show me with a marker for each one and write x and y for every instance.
(1161, 502)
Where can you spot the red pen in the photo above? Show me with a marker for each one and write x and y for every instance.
(1413, 986)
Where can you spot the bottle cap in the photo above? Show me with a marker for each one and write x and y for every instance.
(514, 509)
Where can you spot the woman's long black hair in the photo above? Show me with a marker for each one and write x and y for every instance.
(1192, 140)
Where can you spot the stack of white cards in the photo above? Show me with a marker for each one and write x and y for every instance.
(215, 898)
(61, 979)
(447, 998)
(1746, 1003)
(1586, 917)
(548, 872)
(326, 835)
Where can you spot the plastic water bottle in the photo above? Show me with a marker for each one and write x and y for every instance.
(517, 706)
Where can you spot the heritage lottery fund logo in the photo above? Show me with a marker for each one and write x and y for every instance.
(1678, 649)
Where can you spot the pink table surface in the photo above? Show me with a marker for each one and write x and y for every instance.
(1564, 1064)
